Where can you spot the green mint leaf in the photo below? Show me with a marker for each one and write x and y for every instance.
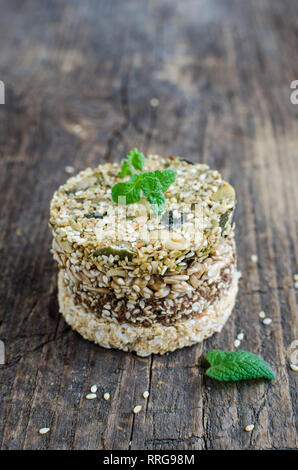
(157, 202)
(165, 177)
(136, 158)
(125, 169)
(129, 189)
(153, 188)
(150, 184)
(134, 161)
(237, 365)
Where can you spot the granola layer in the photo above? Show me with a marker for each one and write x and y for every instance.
(157, 338)
(198, 212)
(171, 298)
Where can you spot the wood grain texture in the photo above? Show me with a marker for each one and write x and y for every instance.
(221, 70)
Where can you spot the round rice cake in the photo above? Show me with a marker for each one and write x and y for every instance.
(133, 280)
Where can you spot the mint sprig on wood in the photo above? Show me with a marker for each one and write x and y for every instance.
(151, 184)
(228, 366)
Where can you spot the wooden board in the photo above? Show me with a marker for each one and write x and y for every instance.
(79, 78)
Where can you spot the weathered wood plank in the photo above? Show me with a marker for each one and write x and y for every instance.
(79, 79)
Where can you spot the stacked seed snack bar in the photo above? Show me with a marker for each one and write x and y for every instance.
(134, 280)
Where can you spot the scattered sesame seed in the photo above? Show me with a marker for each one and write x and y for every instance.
(240, 336)
(267, 321)
(93, 389)
(69, 169)
(236, 343)
(106, 396)
(254, 258)
(77, 128)
(44, 430)
(262, 314)
(154, 102)
(249, 427)
(137, 409)
(146, 394)
(91, 396)
(294, 367)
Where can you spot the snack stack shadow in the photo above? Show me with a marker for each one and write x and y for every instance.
(132, 280)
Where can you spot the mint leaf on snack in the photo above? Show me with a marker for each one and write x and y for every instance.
(150, 184)
(125, 169)
(136, 158)
(157, 202)
(130, 190)
(228, 366)
(134, 161)
(165, 177)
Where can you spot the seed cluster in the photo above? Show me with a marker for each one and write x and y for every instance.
(165, 299)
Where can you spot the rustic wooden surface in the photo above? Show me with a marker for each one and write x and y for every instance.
(79, 78)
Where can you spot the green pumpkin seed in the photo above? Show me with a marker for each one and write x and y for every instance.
(226, 219)
(95, 215)
(187, 161)
(114, 251)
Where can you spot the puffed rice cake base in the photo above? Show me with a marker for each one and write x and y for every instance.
(158, 338)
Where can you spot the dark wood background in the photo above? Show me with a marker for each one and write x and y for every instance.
(79, 78)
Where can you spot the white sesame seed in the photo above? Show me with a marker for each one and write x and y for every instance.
(91, 396)
(295, 277)
(196, 307)
(154, 102)
(254, 258)
(249, 427)
(294, 367)
(44, 430)
(267, 321)
(69, 169)
(93, 389)
(106, 396)
(262, 314)
(296, 285)
(236, 343)
(137, 409)
(77, 128)
(240, 336)
(146, 394)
